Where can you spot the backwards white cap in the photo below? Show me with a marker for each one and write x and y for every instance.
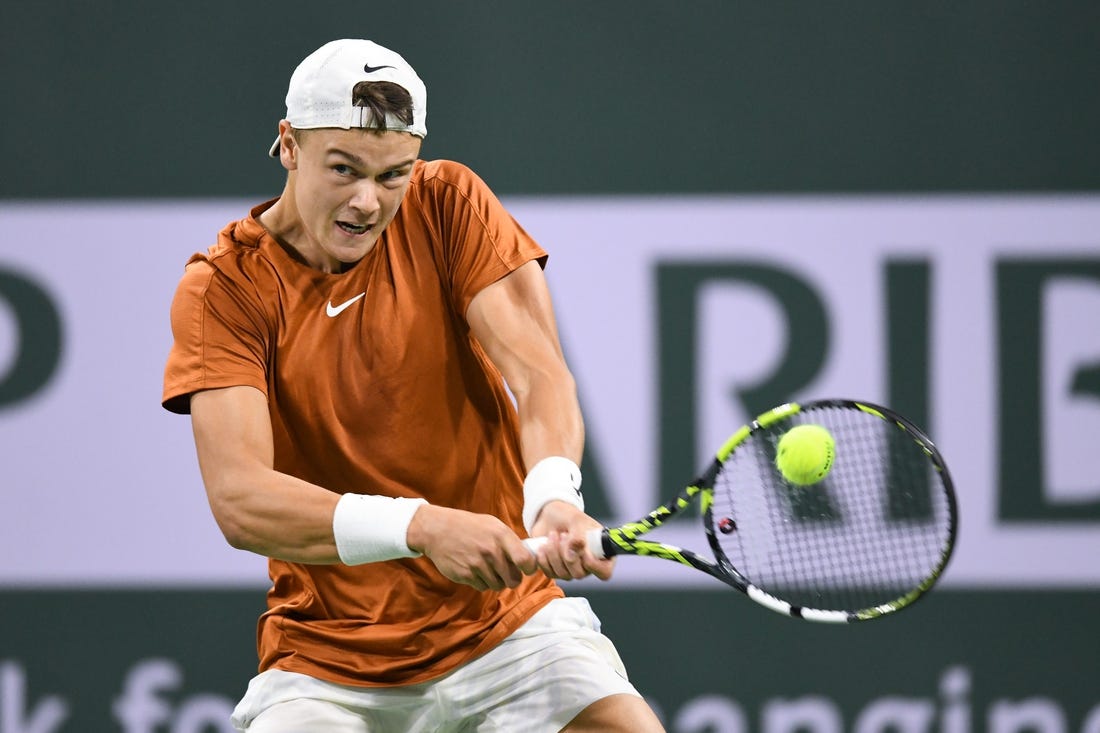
(320, 92)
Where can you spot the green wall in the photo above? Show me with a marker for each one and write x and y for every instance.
(956, 662)
(138, 99)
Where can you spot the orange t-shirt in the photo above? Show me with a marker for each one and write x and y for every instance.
(388, 395)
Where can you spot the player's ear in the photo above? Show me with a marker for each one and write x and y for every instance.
(289, 149)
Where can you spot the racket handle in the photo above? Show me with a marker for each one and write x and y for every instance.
(594, 538)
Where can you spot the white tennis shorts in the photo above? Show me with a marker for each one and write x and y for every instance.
(537, 679)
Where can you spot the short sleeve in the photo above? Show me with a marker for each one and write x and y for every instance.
(219, 338)
(481, 242)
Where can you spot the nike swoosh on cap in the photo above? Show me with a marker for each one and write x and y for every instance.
(371, 69)
(335, 310)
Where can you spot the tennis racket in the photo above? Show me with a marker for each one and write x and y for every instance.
(869, 539)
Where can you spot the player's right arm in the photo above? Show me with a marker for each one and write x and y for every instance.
(257, 508)
(277, 515)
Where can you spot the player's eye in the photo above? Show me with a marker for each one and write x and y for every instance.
(393, 176)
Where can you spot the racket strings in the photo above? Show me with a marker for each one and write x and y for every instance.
(874, 529)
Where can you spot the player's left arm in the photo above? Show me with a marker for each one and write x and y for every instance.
(513, 320)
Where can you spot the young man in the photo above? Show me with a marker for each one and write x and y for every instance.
(343, 353)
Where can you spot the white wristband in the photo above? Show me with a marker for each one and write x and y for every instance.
(373, 528)
(551, 479)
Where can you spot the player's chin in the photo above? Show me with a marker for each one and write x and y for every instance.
(352, 249)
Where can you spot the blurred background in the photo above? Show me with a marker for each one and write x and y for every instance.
(744, 203)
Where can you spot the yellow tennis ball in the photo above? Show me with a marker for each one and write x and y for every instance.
(805, 454)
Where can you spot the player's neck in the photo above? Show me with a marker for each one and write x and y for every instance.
(283, 224)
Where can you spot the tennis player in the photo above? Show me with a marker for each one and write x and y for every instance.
(343, 352)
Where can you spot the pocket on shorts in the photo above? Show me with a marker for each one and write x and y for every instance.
(574, 616)
(568, 614)
(579, 609)
(268, 688)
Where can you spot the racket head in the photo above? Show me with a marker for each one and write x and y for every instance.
(868, 540)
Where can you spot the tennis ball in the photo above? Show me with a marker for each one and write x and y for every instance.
(805, 454)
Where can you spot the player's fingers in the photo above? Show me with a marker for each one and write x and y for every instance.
(551, 560)
(471, 579)
(522, 559)
(588, 563)
(601, 568)
(508, 570)
(572, 557)
(487, 579)
(504, 565)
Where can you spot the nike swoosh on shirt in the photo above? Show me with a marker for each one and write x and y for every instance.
(335, 310)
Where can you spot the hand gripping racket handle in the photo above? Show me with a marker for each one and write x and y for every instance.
(594, 538)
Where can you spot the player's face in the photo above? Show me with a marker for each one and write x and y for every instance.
(348, 185)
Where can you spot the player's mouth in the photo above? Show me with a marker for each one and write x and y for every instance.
(354, 229)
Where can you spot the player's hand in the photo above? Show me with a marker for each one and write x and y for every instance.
(476, 549)
(565, 555)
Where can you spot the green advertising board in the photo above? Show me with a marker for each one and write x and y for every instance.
(710, 661)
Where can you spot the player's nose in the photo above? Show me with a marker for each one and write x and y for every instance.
(365, 197)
